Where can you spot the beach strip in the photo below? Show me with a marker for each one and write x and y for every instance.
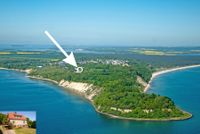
(155, 74)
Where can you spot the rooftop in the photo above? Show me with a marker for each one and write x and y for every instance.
(15, 116)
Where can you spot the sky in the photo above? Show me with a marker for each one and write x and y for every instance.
(101, 22)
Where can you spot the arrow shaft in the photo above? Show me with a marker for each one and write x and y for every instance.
(56, 43)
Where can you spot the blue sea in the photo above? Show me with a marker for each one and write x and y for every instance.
(61, 112)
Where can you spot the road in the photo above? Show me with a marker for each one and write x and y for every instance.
(9, 132)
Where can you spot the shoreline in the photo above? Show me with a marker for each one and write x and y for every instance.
(81, 92)
(155, 74)
(27, 71)
(146, 119)
(44, 79)
(69, 88)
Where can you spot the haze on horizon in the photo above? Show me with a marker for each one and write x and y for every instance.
(101, 22)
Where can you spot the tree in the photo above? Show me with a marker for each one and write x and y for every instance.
(10, 125)
(3, 118)
(33, 124)
(29, 122)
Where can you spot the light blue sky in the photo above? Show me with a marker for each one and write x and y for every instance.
(101, 22)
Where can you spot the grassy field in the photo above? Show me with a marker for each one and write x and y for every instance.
(1, 130)
(1, 53)
(28, 52)
(151, 52)
(163, 51)
(23, 53)
(25, 131)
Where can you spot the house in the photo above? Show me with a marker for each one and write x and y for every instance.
(17, 120)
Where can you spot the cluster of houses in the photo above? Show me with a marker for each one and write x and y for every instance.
(101, 61)
(108, 61)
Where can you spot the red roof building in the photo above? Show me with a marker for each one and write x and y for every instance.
(17, 120)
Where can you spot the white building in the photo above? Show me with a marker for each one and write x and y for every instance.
(17, 120)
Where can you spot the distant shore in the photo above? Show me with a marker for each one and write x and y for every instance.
(19, 70)
(155, 74)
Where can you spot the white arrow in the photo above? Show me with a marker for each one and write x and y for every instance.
(69, 58)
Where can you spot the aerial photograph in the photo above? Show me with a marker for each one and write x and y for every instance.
(99, 67)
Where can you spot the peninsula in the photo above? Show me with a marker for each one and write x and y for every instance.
(118, 100)
(115, 87)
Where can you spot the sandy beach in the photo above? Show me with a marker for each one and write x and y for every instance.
(155, 74)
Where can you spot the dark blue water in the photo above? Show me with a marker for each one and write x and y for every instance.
(60, 112)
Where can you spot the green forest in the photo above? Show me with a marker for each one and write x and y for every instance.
(120, 90)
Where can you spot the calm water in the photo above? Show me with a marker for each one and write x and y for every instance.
(59, 112)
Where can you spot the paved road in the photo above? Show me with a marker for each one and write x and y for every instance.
(9, 132)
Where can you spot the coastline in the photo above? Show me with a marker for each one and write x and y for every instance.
(155, 74)
(147, 119)
(27, 71)
(90, 99)
(44, 79)
(78, 88)
(70, 89)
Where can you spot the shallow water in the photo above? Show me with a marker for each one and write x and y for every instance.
(60, 112)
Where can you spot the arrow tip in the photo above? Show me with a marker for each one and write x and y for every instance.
(71, 60)
(46, 32)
